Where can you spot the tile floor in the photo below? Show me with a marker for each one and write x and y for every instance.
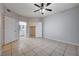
(39, 47)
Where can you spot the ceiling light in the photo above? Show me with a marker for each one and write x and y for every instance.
(43, 10)
(43, 7)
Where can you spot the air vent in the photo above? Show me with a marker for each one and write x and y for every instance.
(8, 10)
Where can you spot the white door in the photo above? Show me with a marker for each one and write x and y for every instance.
(38, 29)
(10, 29)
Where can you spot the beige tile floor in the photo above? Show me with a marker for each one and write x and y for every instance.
(39, 47)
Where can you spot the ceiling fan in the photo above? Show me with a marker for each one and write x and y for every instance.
(43, 7)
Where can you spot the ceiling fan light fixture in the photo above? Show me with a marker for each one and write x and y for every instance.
(42, 7)
(42, 10)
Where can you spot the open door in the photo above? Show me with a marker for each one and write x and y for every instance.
(35, 29)
(32, 31)
(22, 29)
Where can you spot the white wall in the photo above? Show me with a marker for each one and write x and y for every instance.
(1, 10)
(0, 29)
(0, 22)
(13, 16)
(0, 35)
(10, 29)
(63, 26)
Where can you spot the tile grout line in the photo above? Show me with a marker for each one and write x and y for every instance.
(11, 49)
(76, 51)
(34, 52)
(52, 51)
(65, 51)
(50, 54)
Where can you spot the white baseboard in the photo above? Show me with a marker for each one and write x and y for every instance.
(65, 42)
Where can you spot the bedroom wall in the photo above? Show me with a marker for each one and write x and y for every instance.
(18, 18)
(63, 26)
(12, 16)
(0, 24)
(9, 17)
(0, 29)
(1, 32)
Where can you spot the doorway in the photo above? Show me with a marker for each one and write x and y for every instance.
(22, 29)
(32, 31)
(35, 29)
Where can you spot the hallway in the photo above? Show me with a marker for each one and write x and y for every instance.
(39, 47)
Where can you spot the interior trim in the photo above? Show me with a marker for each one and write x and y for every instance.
(65, 42)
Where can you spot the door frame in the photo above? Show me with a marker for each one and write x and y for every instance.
(19, 28)
(30, 31)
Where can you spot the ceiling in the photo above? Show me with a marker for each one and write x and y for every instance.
(26, 9)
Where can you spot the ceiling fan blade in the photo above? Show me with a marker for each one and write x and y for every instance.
(48, 4)
(36, 10)
(49, 9)
(37, 5)
(42, 4)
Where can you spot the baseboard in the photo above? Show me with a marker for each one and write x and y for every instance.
(65, 42)
(10, 42)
